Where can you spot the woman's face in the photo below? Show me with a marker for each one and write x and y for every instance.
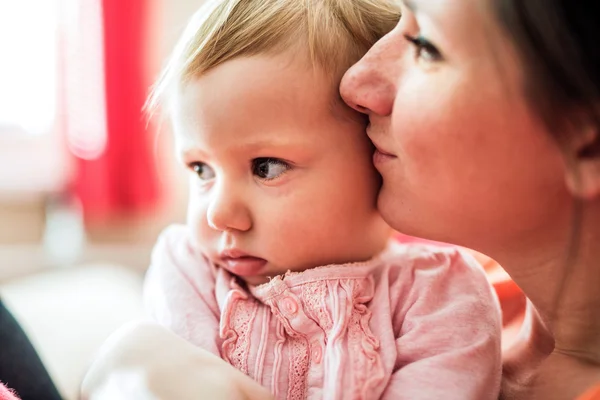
(463, 157)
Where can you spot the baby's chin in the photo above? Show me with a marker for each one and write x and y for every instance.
(255, 280)
(258, 279)
(270, 273)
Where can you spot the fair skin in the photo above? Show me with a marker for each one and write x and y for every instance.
(281, 173)
(288, 181)
(465, 159)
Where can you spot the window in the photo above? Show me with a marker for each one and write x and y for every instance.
(34, 157)
(28, 71)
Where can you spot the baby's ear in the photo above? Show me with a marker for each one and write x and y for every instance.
(583, 161)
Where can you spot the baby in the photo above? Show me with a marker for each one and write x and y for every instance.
(285, 269)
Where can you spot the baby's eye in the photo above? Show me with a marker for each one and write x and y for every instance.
(269, 168)
(203, 171)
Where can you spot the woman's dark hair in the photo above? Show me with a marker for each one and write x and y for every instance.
(559, 43)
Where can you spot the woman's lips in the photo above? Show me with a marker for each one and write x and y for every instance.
(380, 156)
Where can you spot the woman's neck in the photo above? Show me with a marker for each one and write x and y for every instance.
(575, 316)
(562, 377)
(564, 287)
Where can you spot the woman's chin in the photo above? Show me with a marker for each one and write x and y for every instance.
(397, 214)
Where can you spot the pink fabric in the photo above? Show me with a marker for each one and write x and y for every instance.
(6, 394)
(415, 322)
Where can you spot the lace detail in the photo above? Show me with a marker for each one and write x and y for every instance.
(350, 365)
(367, 367)
(236, 325)
(314, 296)
(299, 360)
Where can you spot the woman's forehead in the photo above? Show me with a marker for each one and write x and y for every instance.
(461, 19)
(465, 29)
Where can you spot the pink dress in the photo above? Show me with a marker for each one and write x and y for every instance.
(415, 322)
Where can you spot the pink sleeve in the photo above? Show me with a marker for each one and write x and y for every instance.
(449, 337)
(179, 290)
(6, 394)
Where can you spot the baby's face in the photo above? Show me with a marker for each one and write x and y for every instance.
(281, 173)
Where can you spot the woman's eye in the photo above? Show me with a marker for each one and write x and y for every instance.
(203, 171)
(269, 168)
(425, 50)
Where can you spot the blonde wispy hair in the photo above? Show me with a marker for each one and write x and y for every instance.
(334, 33)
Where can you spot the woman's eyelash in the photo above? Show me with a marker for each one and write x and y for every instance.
(425, 49)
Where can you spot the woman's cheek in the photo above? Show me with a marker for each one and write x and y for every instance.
(417, 137)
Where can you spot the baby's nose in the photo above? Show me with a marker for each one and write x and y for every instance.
(227, 212)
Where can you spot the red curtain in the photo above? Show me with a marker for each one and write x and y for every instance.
(121, 180)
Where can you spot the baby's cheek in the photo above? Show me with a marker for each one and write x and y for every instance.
(196, 220)
(291, 236)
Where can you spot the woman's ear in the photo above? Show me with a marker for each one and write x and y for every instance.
(583, 158)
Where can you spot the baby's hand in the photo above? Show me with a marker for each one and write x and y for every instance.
(147, 362)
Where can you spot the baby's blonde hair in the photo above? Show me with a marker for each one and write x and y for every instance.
(335, 34)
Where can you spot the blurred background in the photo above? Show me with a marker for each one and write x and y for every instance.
(86, 184)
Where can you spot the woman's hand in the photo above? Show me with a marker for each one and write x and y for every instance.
(147, 362)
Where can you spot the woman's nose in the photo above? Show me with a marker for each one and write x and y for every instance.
(369, 86)
(228, 211)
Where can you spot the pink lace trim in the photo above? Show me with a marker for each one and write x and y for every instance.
(367, 367)
(350, 339)
(299, 360)
(314, 296)
(236, 324)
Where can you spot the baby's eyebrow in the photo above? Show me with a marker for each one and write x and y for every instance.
(270, 143)
(191, 152)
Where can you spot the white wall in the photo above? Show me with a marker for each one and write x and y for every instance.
(175, 15)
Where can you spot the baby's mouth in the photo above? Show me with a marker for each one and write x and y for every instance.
(239, 263)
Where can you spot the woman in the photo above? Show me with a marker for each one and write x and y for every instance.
(486, 117)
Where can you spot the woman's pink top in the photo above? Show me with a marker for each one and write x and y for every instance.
(416, 322)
